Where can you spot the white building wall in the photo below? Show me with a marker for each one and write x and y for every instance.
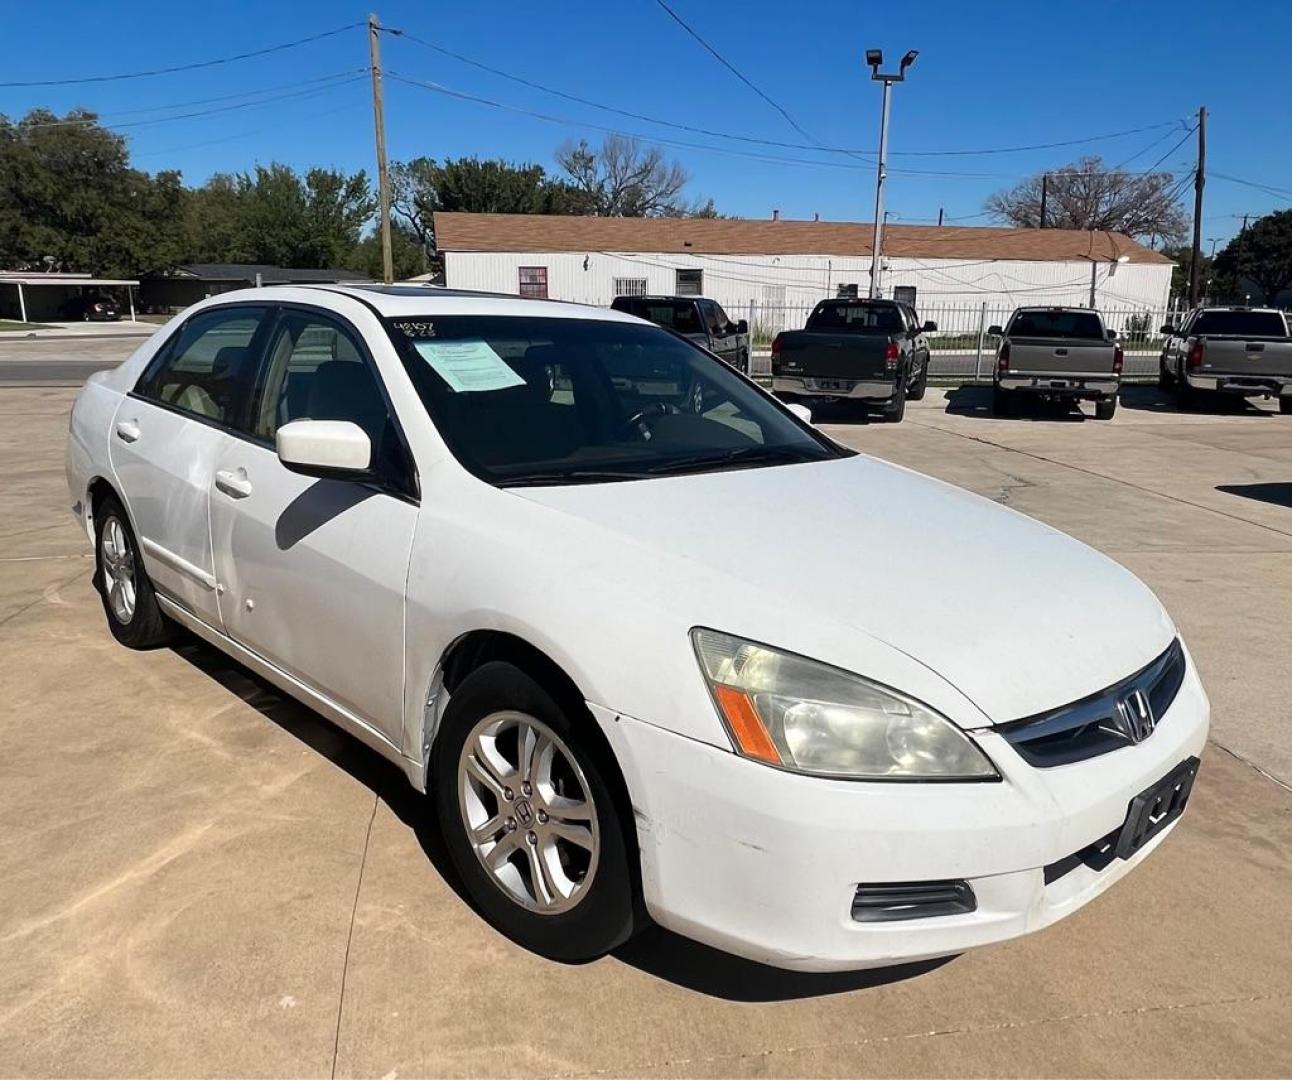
(761, 283)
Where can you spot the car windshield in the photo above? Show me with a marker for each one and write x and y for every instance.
(1056, 324)
(523, 400)
(1240, 323)
(858, 318)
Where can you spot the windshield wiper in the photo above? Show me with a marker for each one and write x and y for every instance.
(574, 476)
(740, 455)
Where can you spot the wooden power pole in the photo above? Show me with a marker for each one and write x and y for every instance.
(383, 173)
(1045, 191)
(1199, 182)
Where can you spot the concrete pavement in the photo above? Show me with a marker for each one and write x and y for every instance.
(200, 877)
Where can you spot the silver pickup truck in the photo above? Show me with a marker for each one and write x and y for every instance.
(1058, 353)
(1228, 350)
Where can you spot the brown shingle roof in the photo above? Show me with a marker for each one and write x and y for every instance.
(727, 236)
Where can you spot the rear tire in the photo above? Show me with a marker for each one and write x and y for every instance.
(1285, 405)
(916, 392)
(129, 602)
(1163, 376)
(742, 363)
(1105, 408)
(564, 899)
(895, 409)
(1186, 397)
(1002, 401)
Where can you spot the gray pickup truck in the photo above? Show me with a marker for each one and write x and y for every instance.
(1228, 350)
(872, 352)
(1063, 354)
(700, 319)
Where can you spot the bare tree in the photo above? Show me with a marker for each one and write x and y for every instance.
(622, 178)
(1089, 195)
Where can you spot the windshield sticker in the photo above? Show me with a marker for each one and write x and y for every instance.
(468, 366)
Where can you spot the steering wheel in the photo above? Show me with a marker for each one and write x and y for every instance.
(638, 419)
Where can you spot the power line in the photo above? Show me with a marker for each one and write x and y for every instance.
(243, 134)
(577, 99)
(1278, 193)
(311, 87)
(1034, 146)
(186, 67)
(23, 125)
(732, 68)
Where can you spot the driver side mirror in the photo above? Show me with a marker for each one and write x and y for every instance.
(801, 411)
(327, 449)
(1167, 329)
(742, 327)
(995, 331)
(930, 327)
(1112, 335)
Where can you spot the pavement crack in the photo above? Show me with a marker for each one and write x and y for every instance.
(45, 594)
(349, 938)
(1251, 764)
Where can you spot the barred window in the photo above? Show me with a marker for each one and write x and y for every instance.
(630, 286)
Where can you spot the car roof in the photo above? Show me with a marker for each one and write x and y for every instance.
(394, 301)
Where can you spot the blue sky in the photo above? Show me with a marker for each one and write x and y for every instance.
(990, 74)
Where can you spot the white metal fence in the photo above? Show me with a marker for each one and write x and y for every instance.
(961, 346)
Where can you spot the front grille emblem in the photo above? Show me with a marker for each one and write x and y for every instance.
(1133, 719)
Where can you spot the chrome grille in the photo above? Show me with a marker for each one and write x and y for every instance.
(1093, 725)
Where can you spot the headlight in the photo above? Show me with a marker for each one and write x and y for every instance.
(802, 715)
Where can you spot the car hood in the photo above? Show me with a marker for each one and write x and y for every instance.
(1019, 617)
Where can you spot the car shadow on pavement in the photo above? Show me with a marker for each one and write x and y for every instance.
(974, 400)
(382, 777)
(1148, 397)
(705, 970)
(655, 951)
(1276, 494)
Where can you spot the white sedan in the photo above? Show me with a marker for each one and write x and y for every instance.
(651, 643)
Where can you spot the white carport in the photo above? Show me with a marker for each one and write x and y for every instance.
(24, 281)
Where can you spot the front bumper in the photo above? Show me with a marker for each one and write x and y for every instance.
(1242, 385)
(834, 389)
(765, 863)
(1079, 386)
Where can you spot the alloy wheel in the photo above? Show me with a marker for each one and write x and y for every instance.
(528, 812)
(118, 570)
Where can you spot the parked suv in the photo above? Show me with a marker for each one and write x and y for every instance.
(1059, 353)
(700, 319)
(1228, 350)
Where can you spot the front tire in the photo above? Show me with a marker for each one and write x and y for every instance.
(527, 800)
(129, 601)
(916, 392)
(1285, 404)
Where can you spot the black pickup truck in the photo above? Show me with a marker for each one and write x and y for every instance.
(700, 319)
(872, 352)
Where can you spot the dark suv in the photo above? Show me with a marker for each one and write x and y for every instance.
(701, 320)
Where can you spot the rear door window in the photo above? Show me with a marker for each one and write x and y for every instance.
(202, 371)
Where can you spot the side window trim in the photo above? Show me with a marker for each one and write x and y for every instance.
(345, 326)
(240, 386)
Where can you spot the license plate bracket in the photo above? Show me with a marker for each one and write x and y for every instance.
(1153, 809)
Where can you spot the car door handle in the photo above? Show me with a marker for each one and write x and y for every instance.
(128, 431)
(233, 485)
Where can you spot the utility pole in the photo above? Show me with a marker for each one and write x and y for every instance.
(383, 173)
(1199, 182)
(874, 58)
(1045, 191)
(939, 217)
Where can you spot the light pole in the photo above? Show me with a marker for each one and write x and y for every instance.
(874, 58)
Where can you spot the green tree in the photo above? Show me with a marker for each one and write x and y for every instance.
(1261, 255)
(276, 216)
(68, 197)
(423, 185)
(406, 251)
